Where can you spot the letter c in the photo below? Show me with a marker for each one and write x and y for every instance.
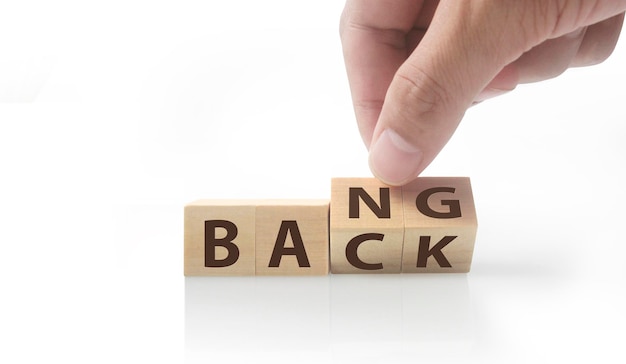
(353, 246)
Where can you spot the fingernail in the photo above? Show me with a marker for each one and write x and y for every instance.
(393, 160)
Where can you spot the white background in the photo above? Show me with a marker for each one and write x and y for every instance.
(114, 115)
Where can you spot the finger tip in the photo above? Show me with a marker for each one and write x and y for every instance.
(393, 161)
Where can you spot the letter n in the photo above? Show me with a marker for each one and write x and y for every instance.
(383, 211)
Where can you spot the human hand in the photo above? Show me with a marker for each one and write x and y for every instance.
(416, 66)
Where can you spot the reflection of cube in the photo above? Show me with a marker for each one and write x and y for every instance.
(22, 78)
(366, 226)
(440, 225)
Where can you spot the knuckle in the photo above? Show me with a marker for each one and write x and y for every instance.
(599, 42)
(593, 57)
(423, 101)
(392, 37)
(368, 105)
(425, 92)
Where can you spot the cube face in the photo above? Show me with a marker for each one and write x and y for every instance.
(219, 238)
(440, 225)
(366, 226)
(292, 237)
(438, 250)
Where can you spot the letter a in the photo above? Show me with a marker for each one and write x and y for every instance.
(291, 228)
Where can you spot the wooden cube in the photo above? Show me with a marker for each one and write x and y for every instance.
(426, 226)
(220, 238)
(292, 237)
(440, 225)
(366, 226)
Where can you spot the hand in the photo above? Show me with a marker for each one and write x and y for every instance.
(415, 66)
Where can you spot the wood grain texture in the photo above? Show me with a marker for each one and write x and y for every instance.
(366, 226)
(240, 213)
(440, 225)
(292, 237)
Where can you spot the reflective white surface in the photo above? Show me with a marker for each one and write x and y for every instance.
(344, 317)
(114, 116)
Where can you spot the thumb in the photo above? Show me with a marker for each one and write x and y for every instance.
(461, 54)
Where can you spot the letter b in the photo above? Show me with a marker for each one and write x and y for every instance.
(211, 242)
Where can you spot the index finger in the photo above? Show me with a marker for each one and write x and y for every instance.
(374, 38)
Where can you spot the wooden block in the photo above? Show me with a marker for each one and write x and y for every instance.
(292, 237)
(440, 225)
(366, 226)
(219, 238)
